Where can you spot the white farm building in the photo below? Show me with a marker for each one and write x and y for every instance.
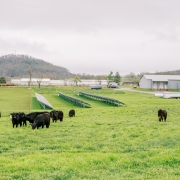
(160, 82)
(48, 82)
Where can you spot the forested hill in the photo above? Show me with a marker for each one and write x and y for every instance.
(21, 66)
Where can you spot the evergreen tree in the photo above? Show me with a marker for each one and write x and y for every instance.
(2, 80)
(117, 78)
(110, 77)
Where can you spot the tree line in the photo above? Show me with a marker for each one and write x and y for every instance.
(18, 66)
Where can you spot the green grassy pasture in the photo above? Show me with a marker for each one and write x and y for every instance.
(102, 142)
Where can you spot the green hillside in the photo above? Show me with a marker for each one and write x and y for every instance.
(24, 65)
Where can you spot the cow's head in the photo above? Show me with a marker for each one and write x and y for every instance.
(34, 125)
(15, 115)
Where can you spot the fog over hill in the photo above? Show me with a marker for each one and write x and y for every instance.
(23, 65)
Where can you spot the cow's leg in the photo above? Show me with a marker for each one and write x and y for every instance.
(164, 118)
(159, 119)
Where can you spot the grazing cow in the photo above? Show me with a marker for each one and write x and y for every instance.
(32, 116)
(16, 120)
(55, 115)
(41, 120)
(162, 115)
(72, 113)
(22, 118)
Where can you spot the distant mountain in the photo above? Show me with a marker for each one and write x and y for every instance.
(21, 66)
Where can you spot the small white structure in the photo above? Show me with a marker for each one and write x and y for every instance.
(159, 94)
(171, 95)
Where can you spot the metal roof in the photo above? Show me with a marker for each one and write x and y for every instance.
(162, 77)
(43, 101)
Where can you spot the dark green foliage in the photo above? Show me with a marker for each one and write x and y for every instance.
(114, 78)
(110, 77)
(117, 78)
(2, 80)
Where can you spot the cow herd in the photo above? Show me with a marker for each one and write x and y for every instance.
(41, 119)
(38, 119)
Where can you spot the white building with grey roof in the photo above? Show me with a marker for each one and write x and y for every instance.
(160, 82)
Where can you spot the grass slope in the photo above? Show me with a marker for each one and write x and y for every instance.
(102, 142)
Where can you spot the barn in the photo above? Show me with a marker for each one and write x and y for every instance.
(160, 82)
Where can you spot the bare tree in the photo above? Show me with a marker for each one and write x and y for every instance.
(30, 75)
(39, 80)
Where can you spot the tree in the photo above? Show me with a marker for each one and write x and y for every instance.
(39, 80)
(2, 80)
(131, 77)
(110, 77)
(77, 79)
(117, 78)
(30, 74)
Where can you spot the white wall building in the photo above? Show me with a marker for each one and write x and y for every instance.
(48, 82)
(160, 82)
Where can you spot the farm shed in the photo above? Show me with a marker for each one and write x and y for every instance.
(160, 82)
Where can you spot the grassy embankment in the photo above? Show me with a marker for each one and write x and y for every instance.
(102, 142)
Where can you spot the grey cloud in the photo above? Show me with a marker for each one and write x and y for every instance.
(94, 36)
(86, 15)
(9, 46)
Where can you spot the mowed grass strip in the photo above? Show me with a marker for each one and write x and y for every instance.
(102, 142)
(15, 99)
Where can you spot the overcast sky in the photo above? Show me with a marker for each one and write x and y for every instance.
(94, 36)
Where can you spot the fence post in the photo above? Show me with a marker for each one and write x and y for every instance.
(0, 114)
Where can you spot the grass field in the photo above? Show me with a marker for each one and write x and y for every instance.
(103, 142)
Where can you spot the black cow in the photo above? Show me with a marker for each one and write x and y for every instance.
(41, 120)
(72, 113)
(32, 116)
(16, 120)
(22, 118)
(162, 115)
(55, 115)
